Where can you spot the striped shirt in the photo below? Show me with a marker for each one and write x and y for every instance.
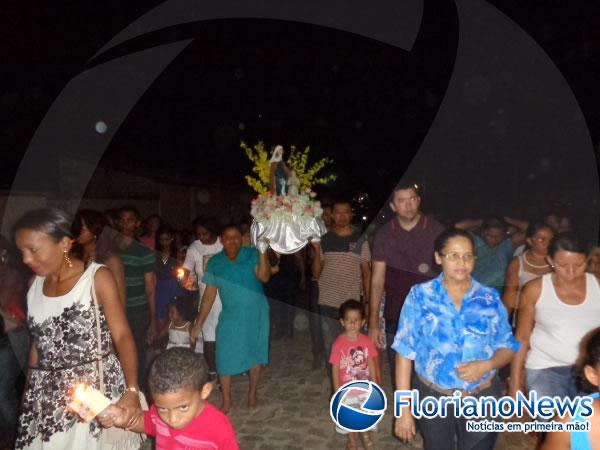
(137, 261)
(341, 277)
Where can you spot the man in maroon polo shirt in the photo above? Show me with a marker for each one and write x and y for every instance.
(402, 257)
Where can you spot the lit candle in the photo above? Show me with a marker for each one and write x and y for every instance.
(180, 274)
(88, 402)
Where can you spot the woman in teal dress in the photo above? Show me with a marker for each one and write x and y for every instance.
(243, 331)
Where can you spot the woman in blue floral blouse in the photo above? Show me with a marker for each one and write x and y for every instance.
(457, 333)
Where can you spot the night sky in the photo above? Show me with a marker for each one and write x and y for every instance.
(366, 104)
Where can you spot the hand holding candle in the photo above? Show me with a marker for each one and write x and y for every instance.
(88, 402)
(113, 416)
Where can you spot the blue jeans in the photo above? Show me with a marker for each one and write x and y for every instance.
(553, 381)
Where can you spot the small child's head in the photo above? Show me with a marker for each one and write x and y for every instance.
(176, 310)
(178, 382)
(589, 364)
(352, 316)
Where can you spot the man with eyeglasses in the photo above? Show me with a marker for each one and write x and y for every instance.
(402, 257)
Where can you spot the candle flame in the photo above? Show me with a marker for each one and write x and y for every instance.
(79, 393)
(180, 273)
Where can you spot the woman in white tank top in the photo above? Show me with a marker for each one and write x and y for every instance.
(528, 266)
(556, 311)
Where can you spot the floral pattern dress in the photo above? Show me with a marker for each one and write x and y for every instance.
(63, 329)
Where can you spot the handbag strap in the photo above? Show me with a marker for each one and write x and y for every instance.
(98, 332)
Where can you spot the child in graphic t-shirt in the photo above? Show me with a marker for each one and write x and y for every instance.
(180, 416)
(351, 358)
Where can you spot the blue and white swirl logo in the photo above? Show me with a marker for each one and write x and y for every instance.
(358, 406)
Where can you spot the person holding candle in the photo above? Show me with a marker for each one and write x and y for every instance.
(199, 253)
(167, 277)
(64, 326)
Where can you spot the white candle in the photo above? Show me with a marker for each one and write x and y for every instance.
(88, 402)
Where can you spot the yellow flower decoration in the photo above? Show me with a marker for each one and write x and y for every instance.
(262, 168)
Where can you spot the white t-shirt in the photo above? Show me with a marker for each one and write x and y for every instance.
(196, 260)
(197, 257)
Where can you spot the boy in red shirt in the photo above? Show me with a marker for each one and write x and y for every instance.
(180, 417)
(352, 358)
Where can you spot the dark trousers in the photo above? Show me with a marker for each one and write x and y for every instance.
(330, 328)
(314, 323)
(440, 433)
(9, 373)
(139, 322)
(390, 331)
(280, 291)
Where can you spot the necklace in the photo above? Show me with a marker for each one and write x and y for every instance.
(533, 265)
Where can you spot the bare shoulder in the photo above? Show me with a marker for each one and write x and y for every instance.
(513, 266)
(532, 290)
(103, 276)
(113, 261)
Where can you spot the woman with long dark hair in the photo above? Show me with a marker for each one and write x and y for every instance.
(531, 264)
(167, 284)
(95, 242)
(67, 303)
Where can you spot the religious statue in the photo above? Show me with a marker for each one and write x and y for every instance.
(293, 184)
(279, 172)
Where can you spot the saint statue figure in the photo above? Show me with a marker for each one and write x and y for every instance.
(293, 184)
(279, 172)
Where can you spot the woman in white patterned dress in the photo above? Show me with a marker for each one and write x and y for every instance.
(64, 350)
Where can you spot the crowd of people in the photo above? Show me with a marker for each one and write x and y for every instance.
(134, 306)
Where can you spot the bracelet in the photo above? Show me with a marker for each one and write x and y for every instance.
(132, 389)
